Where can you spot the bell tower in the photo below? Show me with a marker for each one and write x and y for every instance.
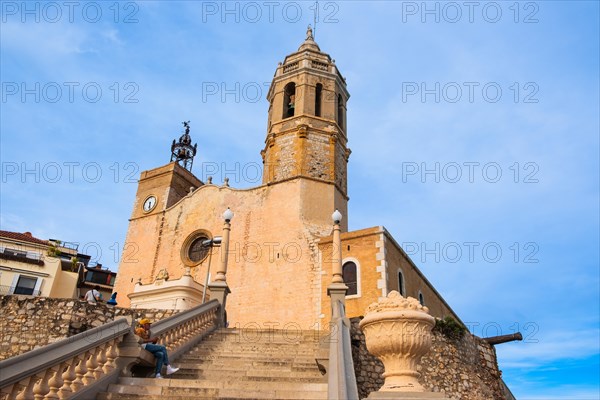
(306, 133)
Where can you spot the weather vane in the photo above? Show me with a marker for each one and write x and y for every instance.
(315, 18)
(182, 151)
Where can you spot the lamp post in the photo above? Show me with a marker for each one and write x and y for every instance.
(337, 248)
(227, 217)
(218, 287)
(337, 289)
(214, 242)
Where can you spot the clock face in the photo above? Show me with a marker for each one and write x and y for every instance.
(149, 203)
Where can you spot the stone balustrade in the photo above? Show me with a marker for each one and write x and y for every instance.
(85, 364)
(59, 370)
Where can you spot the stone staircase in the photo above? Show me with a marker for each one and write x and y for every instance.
(237, 364)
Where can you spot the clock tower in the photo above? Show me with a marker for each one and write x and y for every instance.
(160, 188)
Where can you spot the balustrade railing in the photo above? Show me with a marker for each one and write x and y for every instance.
(341, 377)
(176, 332)
(59, 370)
(320, 65)
(291, 67)
(81, 366)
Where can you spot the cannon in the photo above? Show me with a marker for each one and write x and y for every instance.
(493, 340)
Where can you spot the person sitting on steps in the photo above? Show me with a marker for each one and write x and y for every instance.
(149, 343)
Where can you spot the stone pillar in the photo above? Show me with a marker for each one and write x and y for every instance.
(219, 291)
(398, 332)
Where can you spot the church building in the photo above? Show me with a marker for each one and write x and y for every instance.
(280, 244)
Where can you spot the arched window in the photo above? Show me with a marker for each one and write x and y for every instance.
(340, 111)
(350, 278)
(318, 91)
(401, 288)
(289, 100)
(421, 298)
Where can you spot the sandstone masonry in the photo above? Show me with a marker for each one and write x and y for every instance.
(465, 369)
(27, 323)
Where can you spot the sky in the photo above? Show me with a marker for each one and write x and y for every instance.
(474, 129)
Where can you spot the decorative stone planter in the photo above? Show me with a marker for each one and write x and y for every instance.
(398, 332)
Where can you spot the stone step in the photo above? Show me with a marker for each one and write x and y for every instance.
(275, 345)
(212, 356)
(236, 364)
(223, 394)
(244, 374)
(249, 355)
(246, 363)
(241, 369)
(222, 384)
(213, 344)
(254, 347)
(255, 391)
(228, 333)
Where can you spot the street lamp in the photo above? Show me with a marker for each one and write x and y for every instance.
(227, 217)
(214, 242)
(337, 248)
(218, 288)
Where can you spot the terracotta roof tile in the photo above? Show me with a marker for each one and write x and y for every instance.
(24, 237)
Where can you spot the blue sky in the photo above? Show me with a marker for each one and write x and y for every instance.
(474, 130)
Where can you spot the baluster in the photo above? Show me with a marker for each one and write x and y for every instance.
(80, 372)
(41, 388)
(91, 365)
(170, 339)
(9, 392)
(181, 334)
(68, 378)
(56, 381)
(111, 356)
(100, 360)
(204, 323)
(184, 332)
(185, 335)
(175, 337)
(192, 329)
(27, 393)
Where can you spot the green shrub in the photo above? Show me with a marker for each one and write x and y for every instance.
(449, 328)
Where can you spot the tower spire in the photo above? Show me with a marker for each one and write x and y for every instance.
(306, 130)
(309, 43)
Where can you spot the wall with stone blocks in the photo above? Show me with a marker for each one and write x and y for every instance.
(27, 323)
(463, 370)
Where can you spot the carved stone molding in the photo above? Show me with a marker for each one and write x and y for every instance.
(398, 332)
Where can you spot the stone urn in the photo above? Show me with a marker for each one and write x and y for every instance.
(398, 332)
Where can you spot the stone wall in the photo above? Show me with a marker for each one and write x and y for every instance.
(464, 370)
(27, 323)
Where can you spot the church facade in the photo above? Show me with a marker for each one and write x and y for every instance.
(279, 259)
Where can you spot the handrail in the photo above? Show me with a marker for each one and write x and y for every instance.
(86, 357)
(16, 368)
(176, 331)
(342, 380)
(85, 364)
